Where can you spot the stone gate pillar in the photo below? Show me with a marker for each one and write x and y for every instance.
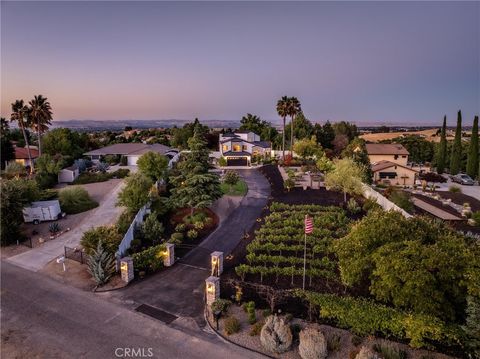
(169, 258)
(212, 287)
(126, 269)
(217, 263)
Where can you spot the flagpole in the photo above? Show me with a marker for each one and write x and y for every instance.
(305, 255)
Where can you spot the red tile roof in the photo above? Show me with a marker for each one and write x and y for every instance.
(22, 153)
(386, 149)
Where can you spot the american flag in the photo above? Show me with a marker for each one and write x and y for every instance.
(308, 224)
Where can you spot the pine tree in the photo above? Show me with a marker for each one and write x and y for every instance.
(472, 326)
(472, 162)
(194, 186)
(456, 156)
(442, 149)
(101, 265)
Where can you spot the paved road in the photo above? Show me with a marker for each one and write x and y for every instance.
(180, 290)
(36, 258)
(473, 191)
(42, 319)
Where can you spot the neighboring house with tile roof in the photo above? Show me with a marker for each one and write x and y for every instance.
(21, 155)
(133, 151)
(389, 164)
(239, 147)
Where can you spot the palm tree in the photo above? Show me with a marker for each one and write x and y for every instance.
(41, 117)
(21, 117)
(282, 110)
(293, 109)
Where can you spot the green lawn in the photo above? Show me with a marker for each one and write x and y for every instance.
(238, 189)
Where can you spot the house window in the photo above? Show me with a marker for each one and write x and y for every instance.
(237, 148)
(385, 175)
(404, 156)
(225, 148)
(244, 148)
(395, 157)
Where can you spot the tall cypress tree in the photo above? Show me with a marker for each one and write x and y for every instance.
(472, 162)
(442, 149)
(456, 156)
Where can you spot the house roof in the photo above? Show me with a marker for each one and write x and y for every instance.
(22, 153)
(132, 149)
(263, 144)
(386, 149)
(239, 153)
(71, 168)
(382, 165)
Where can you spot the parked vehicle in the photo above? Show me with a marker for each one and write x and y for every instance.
(463, 179)
(42, 211)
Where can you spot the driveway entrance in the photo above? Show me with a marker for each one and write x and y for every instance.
(179, 290)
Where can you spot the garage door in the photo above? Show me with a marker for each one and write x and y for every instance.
(240, 161)
(132, 160)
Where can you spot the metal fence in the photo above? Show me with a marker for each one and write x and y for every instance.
(75, 254)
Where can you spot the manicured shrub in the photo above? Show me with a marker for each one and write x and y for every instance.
(231, 177)
(180, 227)
(312, 343)
(75, 200)
(192, 234)
(120, 173)
(124, 221)
(152, 229)
(176, 238)
(222, 162)
(199, 225)
(476, 218)
(364, 317)
(231, 325)
(455, 189)
(90, 177)
(250, 308)
(432, 177)
(276, 335)
(54, 228)
(221, 305)
(107, 234)
(256, 329)
(353, 207)
(149, 260)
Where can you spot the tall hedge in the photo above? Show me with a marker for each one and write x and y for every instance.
(456, 156)
(472, 162)
(442, 149)
(365, 317)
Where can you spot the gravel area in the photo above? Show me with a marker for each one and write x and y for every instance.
(342, 352)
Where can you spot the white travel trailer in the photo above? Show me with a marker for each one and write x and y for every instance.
(42, 211)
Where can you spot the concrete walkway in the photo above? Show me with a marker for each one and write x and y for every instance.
(179, 290)
(38, 257)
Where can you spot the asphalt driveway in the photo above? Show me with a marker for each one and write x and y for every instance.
(179, 290)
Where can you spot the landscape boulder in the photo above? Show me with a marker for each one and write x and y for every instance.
(313, 344)
(367, 353)
(276, 335)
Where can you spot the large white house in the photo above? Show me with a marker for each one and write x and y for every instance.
(239, 147)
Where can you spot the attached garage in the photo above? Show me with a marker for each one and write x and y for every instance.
(132, 160)
(237, 161)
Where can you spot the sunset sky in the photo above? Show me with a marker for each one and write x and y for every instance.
(380, 62)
